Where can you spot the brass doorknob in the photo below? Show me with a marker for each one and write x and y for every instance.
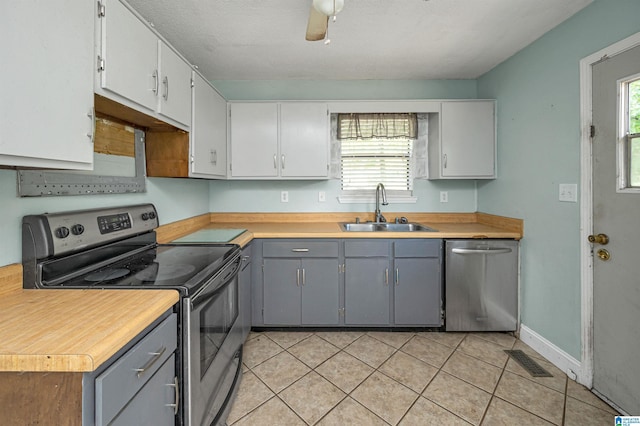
(604, 254)
(599, 239)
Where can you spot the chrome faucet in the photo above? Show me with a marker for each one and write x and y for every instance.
(378, 215)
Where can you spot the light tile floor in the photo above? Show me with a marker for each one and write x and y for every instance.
(389, 378)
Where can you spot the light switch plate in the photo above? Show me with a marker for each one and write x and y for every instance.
(322, 196)
(568, 192)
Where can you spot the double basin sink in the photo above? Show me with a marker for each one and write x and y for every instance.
(386, 227)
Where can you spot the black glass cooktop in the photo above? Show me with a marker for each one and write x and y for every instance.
(183, 267)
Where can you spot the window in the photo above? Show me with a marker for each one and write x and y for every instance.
(630, 133)
(376, 148)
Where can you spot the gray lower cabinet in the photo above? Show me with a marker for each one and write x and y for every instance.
(140, 386)
(352, 282)
(244, 285)
(300, 283)
(366, 283)
(417, 282)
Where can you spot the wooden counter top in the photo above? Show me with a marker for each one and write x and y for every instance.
(70, 330)
(327, 225)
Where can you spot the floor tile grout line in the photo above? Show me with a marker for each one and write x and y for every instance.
(564, 404)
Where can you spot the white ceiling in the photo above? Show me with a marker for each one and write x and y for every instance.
(372, 39)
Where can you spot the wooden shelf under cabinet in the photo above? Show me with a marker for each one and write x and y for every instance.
(167, 154)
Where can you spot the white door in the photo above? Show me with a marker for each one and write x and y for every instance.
(208, 131)
(304, 140)
(616, 263)
(175, 85)
(130, 53)
(254, 140)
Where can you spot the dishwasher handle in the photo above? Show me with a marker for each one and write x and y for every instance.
(481, 251)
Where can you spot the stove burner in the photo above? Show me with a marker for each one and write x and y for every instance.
(165, 272)
(106, 275)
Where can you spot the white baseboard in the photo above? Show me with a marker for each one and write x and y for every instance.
(565, 362)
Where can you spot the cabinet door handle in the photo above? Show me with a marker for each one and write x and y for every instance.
(300, 250)
(165, 83)
(156, 356)
(298, 277)
(445, 161)
(275, 161)
(397, 276)
(213, 157)
(176, 404)
(386, 276)
(304, 278)
(283, 161)
(155, 82)
(92, 115)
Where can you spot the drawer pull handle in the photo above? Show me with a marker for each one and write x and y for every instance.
(156, 356)
(300, 250)
(177, 400)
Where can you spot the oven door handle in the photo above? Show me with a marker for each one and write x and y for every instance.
(205, 294)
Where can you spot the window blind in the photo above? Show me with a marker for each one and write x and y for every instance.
(376, 148)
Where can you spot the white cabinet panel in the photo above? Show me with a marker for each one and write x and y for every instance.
(130, 54)
(208, 131)
(46, 89)
(304, 140)
(175, 85)
(254, 140)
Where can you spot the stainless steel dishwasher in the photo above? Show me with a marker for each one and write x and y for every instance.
(481, 285)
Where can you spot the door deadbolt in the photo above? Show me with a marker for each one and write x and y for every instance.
(599, 239)
(604, 254)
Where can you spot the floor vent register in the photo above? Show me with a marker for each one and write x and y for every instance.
(528, 363)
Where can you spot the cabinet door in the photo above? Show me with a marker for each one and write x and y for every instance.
(254, 140)
(152, 405)
(175, 86)
(130, 54)
(208, 131)
(468, 139)
(320, 286)
(47, 70)
(417, 288)
(367, 291)
(304, 140)
(281, 298)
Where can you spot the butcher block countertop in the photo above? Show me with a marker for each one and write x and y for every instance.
(70, 330)
(328, 225)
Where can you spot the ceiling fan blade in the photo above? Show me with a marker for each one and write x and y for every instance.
(317, 25)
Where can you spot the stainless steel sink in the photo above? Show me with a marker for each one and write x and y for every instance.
(386, 227)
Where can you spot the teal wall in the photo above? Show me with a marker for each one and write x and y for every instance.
(538, 97)
(264, 196)
(174, 199)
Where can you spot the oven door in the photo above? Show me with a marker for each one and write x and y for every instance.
(212, 345)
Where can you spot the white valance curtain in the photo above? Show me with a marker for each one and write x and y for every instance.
(377, 126)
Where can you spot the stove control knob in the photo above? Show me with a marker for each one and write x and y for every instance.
(77, 229)
(145, 216)
(62, 232)
(152, 215)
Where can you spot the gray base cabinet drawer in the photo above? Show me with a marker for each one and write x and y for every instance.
(366, 248)
(301, 249)
(117, 385)
(417, 248)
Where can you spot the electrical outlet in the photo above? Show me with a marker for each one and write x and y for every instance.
(284, 196)
(444, 197)
(322, 196)
(568, 192)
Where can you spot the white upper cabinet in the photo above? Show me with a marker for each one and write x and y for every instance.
(46, 84)
(208, 131)
(462, 141)
(138, 69)
(279, 140)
